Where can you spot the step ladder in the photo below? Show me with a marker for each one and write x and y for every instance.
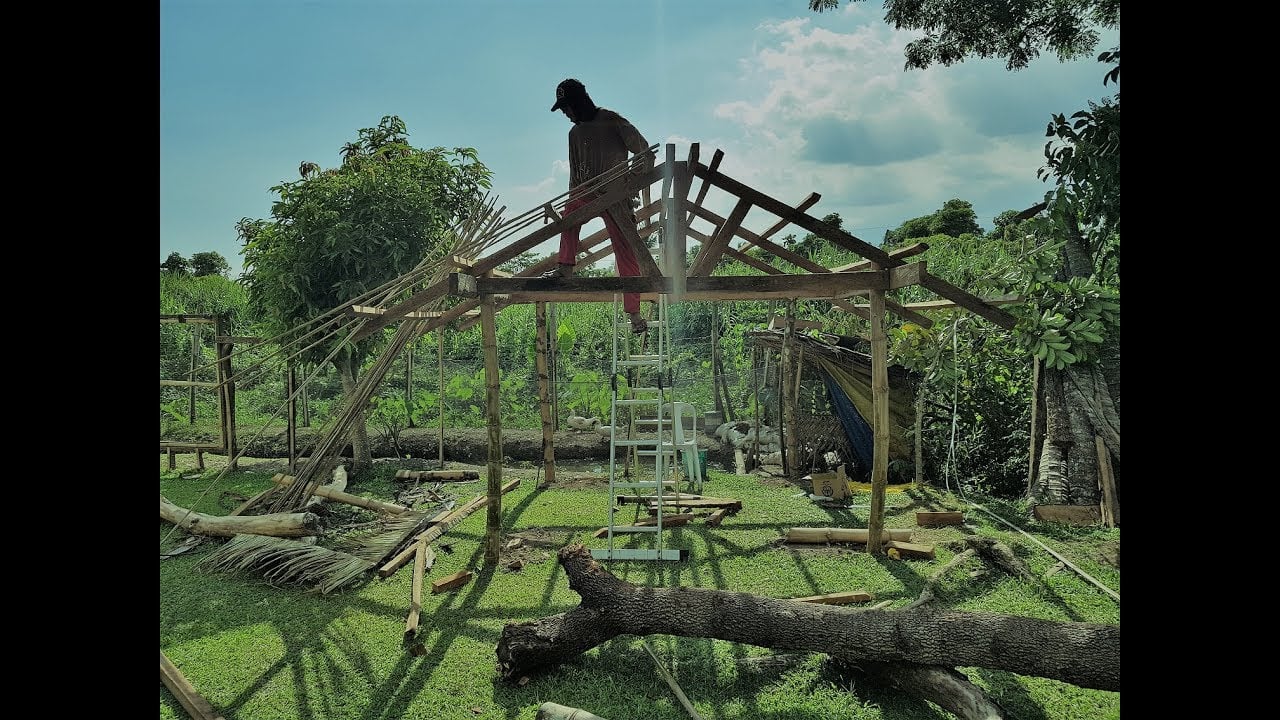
(649, 391)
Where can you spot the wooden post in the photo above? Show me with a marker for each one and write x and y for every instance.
(1110, 500)
(408, 381)
(755, 388)
(553, 362)
(791, 444)
(291, 416)
(227, 391)
(715, 355)
(440, 357)
(880, 420)
(306, 406)
(544, 395)
(493, 523)
(919, 439)
(195, 363)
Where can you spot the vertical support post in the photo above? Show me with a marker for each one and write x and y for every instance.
(553, 359)
(791, 452)
(1037, 423)
(544, 396)
(919, 439)
(880, 420)
(408, 382)
(195, 363)
(755, 388)
(306, 405)
(493, 523)
(227, 388)
(218, 332)
(440, 357)
(291, 416)
(715, 357)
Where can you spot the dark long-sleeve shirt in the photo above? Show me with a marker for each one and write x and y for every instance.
(598, 145)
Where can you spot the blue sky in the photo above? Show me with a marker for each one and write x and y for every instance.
(798, 101)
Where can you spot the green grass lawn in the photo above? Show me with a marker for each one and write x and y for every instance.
(258, 652)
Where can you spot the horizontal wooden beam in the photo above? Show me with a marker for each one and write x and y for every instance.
(371, 311)
(466, 264)
(900, 253)
(969, 302)
(187, 383)
(1012, 299)
(188, 447)
(736, 287)
(189, 319)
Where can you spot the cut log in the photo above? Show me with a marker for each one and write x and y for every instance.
(274, 524)
(1068, 514)
(842, 535)
(553, 711)
(839, 598)
(913, 550)
(329, 493)
(1083, 654)
(934, 519)
(449, 582)
(438, 475)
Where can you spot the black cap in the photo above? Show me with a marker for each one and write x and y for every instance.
(567, 91)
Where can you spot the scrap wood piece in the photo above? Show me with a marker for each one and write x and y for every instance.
(667, 498)
(192, 701)
(438, 475)
(1080, 653)
(430, 535)
(251, 502)
(514, 544)
(906, 549)
(667, 521)
(935, 518)
(274, 524)
(449, 582)
(717, 517)
(728, 503)
(423, 559)
(1068, 514)
(838, 598)
(329, 493)
(842, 535)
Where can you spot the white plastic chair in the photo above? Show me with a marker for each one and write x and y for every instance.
(686, 445)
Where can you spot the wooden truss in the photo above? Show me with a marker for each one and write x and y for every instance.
(482, 286)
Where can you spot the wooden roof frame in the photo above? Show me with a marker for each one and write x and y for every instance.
(479, 278)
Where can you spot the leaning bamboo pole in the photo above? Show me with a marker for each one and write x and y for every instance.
(431, 534)
(493, 521)
(791, 458)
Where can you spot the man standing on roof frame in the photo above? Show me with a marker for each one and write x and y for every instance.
(599, 139)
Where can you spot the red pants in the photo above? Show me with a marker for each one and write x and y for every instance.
(622, 252)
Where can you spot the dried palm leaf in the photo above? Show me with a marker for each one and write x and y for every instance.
(282, 561)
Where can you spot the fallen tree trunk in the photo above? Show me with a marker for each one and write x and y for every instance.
(1083, 654)
(274, 524)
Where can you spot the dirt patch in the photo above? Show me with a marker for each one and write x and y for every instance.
(537, 545)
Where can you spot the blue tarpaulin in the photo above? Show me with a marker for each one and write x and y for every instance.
(856, 430)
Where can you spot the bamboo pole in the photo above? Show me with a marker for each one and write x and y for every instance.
(815, 536)
(306, 406)
(191, 701)
(715, 355)
(195, 363)
(423, 558)
(440, 357)
(344, 497)
(431, 534)
(493, 522)
(920, 440)
(791, 444)
(219, 369)
(291, 415)
(408, 381)
(671, 682)
(755, 388)
(880, 420)
(544, 396)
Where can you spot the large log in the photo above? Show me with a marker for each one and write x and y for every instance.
(274, 524)
(1083, 654)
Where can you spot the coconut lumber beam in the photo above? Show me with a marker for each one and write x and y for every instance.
(716, 158)
(733, 287)
(493, 420)
(1110, 507)
(1007, 299)
(970, 302)
(706, 502)
(905, 549)
(717, 517)
(555, 711)
(842, 535)
(274, 524)
(424, 557)
(193, 702)
(935, 518)
(329, 493)
(810, 200)
(546, 416)
(434, 532)
(1068, 514)
(796, 217)
(644, 256)
(838, 598)
(666, 498)
(1083, 654)
(449, 582)
(900, 254)
(438, 475)
(667, 521)
(710, 252)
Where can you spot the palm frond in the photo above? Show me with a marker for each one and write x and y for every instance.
(282, 561)
(394, 534)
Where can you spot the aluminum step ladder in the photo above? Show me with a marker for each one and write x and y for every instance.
(649, 392)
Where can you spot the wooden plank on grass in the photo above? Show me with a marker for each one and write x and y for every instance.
(438, 475)
(1068, 514)
(449, 582)
(847, 535)
(932, 518)
(838, 598)
(717, 517)
(440, 528)
(667, 521)
(729, 503)
(192, 701)
(913, 550)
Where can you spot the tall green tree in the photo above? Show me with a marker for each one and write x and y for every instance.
(209, 263)
(337, 234)
(175, 264)
(1071, 322)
